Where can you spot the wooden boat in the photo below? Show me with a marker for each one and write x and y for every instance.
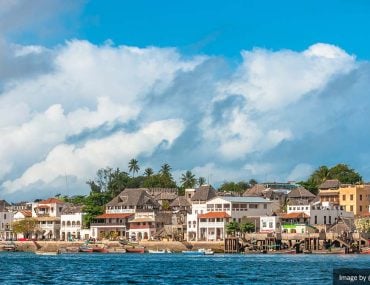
(85, 248)
(135, 249)
(365, 251)
(159, 251)
(209, 252)
(100, 249)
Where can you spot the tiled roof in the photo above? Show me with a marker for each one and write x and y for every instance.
(26, 213)
(330, 184)
(204, 193)
(295, 215)
(114, 216)
(214, 215)
(51, 201)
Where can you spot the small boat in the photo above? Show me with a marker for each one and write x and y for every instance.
(209, 252)
(156, 251)
(99, 249)
(159, 251)
(85, 248)
(135, 249)
(10, 247)
(365, 251)
(47, 252)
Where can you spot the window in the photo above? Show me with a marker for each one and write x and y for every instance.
(189, 224)
(243, 207)
(210, 207)
(253, 206)
(324, 220)
(227, 206)
(360, 208)
(271, 225)
(329, 219)
(360, 197)
(351, 197)
(344, 197)
(264, 224)
(265, 206)
(351, 208)
(315, 220)
(4, 216)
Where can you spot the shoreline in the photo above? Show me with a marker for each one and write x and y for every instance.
(174, 246)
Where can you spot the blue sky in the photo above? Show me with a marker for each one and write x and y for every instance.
(231, 90)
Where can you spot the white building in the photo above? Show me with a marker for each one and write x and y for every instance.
(47, 213)
(321, 213)
(207, 220)
(71, 223)
(270, 224)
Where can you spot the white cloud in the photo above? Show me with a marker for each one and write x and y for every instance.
(116, 149)
(269, 82)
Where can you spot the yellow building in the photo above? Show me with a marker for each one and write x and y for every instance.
(355, 198)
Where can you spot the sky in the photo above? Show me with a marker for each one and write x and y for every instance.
(231, 90)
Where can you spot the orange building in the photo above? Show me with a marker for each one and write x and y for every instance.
(355, 198)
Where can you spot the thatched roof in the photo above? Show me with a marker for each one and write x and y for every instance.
(300, 192)
(133, 197)
(180, 201)
(204, 193)
(256, 190)
(330, 184)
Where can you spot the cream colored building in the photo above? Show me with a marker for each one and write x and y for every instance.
(355, 198)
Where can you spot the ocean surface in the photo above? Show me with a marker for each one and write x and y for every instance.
(28, 268)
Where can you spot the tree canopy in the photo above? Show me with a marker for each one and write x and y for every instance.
(341, 171)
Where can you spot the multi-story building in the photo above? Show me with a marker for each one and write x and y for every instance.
(329, 191)
(209, 219)
(131, 214)
(47, 213)
(71, 221)
(6, 219)
(320, 213)
(355, 198)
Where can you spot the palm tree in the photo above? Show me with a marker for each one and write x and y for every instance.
(148, 172)
(188, 179)
(201, 181)
(165, 169)
(321, 174)
(133, 166)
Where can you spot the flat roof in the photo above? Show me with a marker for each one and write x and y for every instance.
(244, 199)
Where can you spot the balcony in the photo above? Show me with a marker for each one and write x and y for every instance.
(211, 225)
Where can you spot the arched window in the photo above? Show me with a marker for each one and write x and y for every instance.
(68, 223)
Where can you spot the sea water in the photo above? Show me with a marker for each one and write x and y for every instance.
(28, 268)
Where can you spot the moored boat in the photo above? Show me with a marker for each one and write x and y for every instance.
(159, 251)
(85, 248)
(135, 249)
(100, 249)
(47, 252)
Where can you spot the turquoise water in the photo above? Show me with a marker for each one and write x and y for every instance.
(28, 268)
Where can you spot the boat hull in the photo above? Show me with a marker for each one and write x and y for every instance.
(135, 250)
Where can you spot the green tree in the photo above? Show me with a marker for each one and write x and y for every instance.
(26, 227)
(239, 187)
(345, 174)
(201, 181)
(148, 172)
(133, 166)
(188, 179)
(165, 169)
(232, 228)
(247, 227)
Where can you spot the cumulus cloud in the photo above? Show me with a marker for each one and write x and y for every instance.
(276, 116)
(264, 86)
(83, 161)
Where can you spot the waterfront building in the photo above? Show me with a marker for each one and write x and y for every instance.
(219, 211)
(270, 224)
(71, 222)
(132, 214)
(47, 213)
(6, 219)
(355, 198)
(199, 197)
